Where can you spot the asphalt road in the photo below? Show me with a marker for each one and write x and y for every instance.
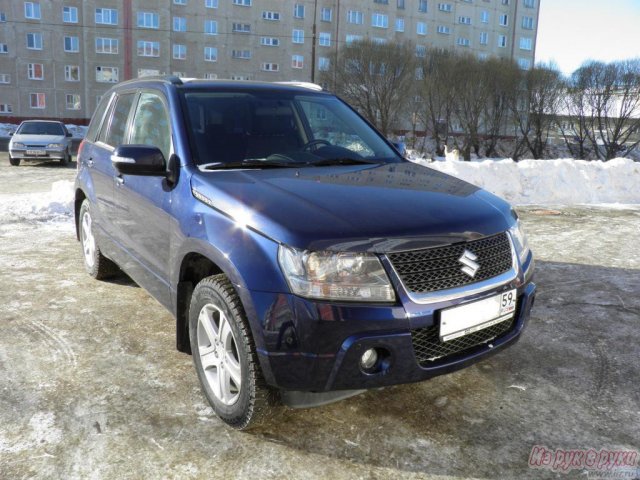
(92, 387)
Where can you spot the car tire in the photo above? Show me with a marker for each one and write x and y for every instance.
(14, 161)
(66, 159)
(225, 356)
(95, 263)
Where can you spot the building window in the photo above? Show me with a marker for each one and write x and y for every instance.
(272, 16)
(211, 76)
(484, 38)
(324, 40)
(526, 43)
(72, 73)
(524, 63)
(385, 2)
(399, 24)
(211, 27)
(527, 23)
(297, 36)
(270, 67)
(148, 20)
(5, 78)
(421, 51)
(71, 44)
(325, 14)
(106, 16)
(107, 45)
(179, 24)
(484, 16)
(35, 71)
(444, 29)
(241, 54)
(32, 10)
(107, 74)
(70, 14)
(37, 100)
(421, 28)
(242, 3)
(379, 20)
(211, 3)
(401, 4)
(355, 17)
(297, 61)
(502, 41)
(298, 10)
(179, 52)
(323, 64)
(445, 7)
(422, 6)
(504, 20)
(463, 42)
(210, 54)
(148, 49)
(464, 20)
(180, 2)
(241, 28)
(3, 17)
(530, 3)
(270, 41)
(72, 101)
(4, 48)
(353, 38)
(148, 72)
(34, 41)
(505, 2)
(6, 108)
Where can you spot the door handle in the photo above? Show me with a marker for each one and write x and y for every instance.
(90, 162)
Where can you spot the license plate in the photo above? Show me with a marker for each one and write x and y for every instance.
(36, 152)
(462, 320)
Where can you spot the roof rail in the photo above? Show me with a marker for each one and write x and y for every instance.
(307, 85)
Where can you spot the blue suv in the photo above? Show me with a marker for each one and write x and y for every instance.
(298, 251)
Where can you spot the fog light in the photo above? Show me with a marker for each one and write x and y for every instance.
(369, 359)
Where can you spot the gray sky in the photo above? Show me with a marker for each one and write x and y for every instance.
(572, 31)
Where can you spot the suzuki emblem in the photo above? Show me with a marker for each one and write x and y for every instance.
(468, 259)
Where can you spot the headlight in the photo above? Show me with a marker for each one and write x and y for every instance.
(54, 145)
(17, 145)
(519, 241)
(356, 277)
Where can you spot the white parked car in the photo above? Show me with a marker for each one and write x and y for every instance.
(40, 140)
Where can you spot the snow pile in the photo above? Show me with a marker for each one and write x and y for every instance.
(551, 182)
(55, 205)
(78, 131)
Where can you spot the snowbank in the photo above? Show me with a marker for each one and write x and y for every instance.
(55, 205)
(551, 182)
(78, 131)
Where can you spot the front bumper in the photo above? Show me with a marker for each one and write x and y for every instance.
(316, 346)
(49, 153)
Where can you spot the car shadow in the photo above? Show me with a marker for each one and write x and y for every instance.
(571, 382)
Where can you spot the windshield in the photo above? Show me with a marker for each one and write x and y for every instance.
(40, 128)
(280, 128)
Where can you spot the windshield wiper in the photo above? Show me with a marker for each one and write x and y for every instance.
(249, 163)
(342, 161)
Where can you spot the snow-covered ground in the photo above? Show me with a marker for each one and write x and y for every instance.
(51, 206)
(550, 182)
(78, 131)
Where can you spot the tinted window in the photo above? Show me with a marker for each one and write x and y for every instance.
(114, 135)
(96, 120)
(151, 124)
(41, 128)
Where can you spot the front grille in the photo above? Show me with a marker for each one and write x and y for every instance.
(428, 347)
(433, 269)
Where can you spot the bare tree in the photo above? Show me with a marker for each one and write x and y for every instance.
(375, 78)
(574, 120)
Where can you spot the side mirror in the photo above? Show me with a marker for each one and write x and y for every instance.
(11, 134)
(142, 160)
(69, 134)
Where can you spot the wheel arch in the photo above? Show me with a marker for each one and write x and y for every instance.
(77, 203)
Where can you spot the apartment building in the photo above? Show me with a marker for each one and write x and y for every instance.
(57, 57)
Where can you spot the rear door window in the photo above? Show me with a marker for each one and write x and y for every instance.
(150, 124)
(113, 133)
(96, 120)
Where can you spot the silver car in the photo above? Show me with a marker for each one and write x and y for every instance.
(40, 140)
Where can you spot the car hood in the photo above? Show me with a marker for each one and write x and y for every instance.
(38, 139)
(378, 208)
